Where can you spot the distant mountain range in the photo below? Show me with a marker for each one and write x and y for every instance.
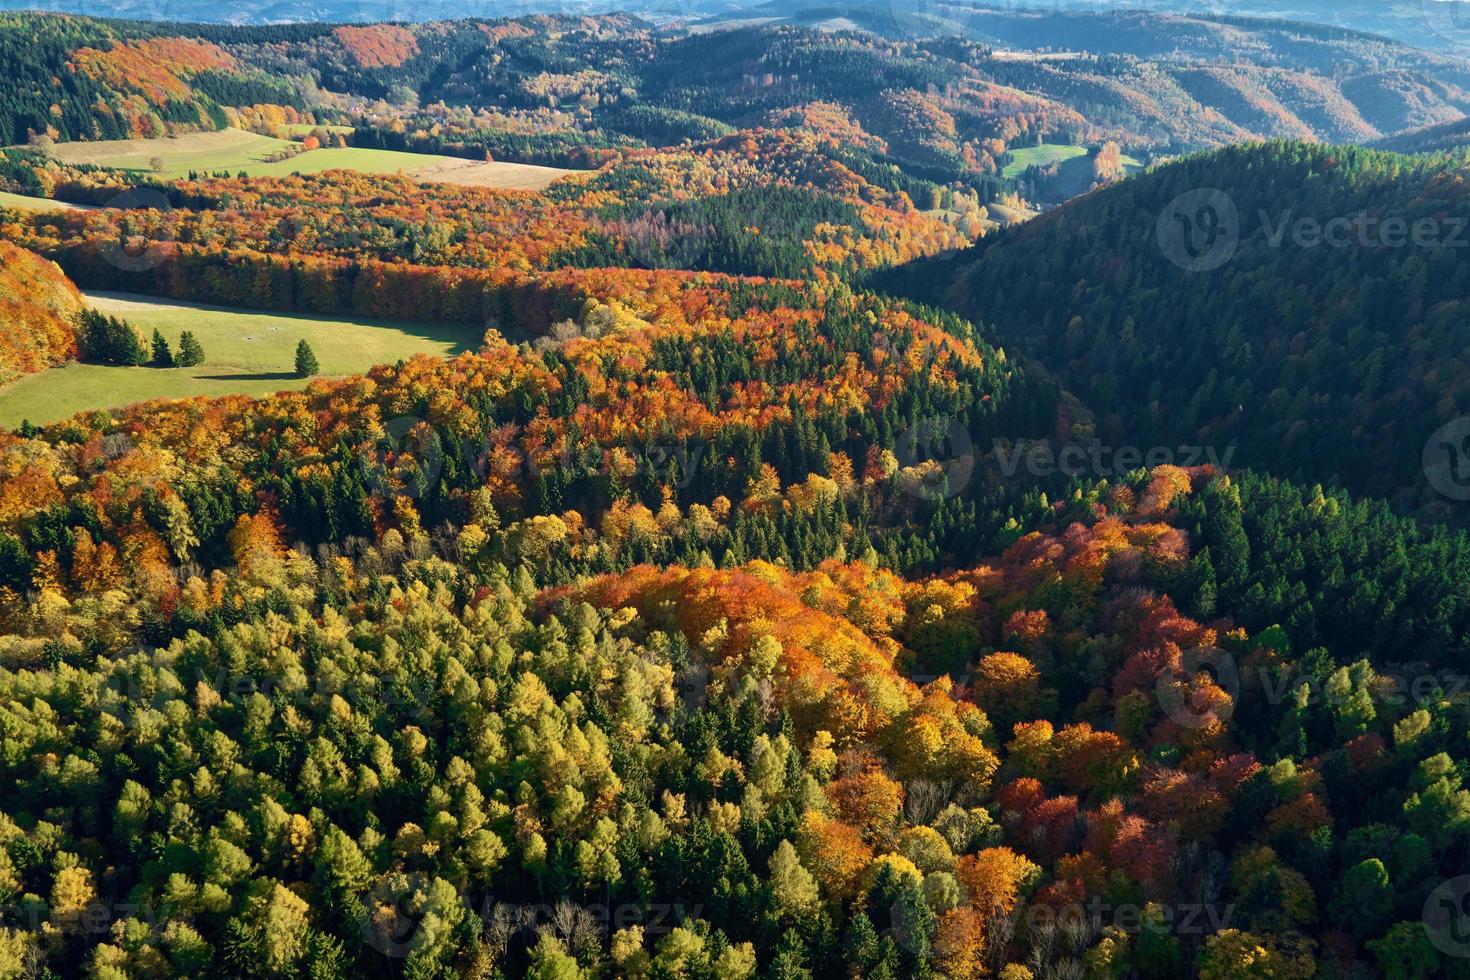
(1442, 25)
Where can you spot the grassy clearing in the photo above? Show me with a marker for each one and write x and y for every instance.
(510, 176)
(1074, 168)
(1075, 177)
(346, 158)
(22, 202)
(245, 352)
(229, 149)
(1040, 156)
(237, 151)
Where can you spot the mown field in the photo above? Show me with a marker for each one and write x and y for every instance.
(1040, 156)
(22, 202)
(229, 149)
(1074, 168)
(246, 352)
(236, 151)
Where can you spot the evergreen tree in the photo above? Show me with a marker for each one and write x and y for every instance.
(191, 352)
(306, 363)
(162, 356)
(109, 340)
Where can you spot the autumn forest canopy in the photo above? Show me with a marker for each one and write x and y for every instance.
(874, 530)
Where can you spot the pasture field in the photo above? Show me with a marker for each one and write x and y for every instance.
(249, 352)
(1040, 156)
(345, 158)
(508, 176)
(23, 202)
(1074, 168)
(228, 149)
(237, 151)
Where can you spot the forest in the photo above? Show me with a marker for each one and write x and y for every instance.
(718, 614)
(1319, 361)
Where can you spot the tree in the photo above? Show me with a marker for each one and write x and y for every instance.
(995, 878)
(1231, 953)
(191, 352)
(109, 340)
(794, 887)
(162, 356)
(1364, 899)
(1406, 953)
(306, 363)
(549, 961)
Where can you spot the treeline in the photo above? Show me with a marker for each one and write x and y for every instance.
(753, 232)
(565, 149)
(661, 126)
(369, 288)
(796, 213)
(109, 339)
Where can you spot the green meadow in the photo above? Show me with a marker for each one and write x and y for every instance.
(249, 352)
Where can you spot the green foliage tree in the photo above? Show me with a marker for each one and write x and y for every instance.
(306, 363)
(162, 357)
(110, 340)
(191, 352)
(1364, 898)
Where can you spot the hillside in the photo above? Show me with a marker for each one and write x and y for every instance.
(1430, 139)
(776, 203)
(672, 600)
(944, 108)
(652, 637)
(39, 307)
(1314, 361)
(1404, 21)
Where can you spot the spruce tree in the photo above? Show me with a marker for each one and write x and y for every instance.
(131, 349)
(191, 352)
(108, 340)
(162, 356)
(306, 363)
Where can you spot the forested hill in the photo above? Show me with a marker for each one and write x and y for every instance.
(1321, 328)
(712, 615)
(1429, 139)
(945, 104)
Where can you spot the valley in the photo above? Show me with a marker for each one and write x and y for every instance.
(923, 492)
